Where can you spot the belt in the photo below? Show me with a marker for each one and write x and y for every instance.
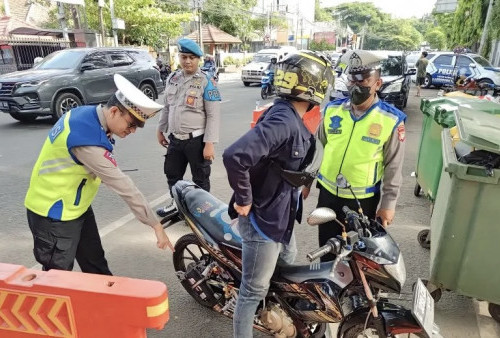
(190, 135)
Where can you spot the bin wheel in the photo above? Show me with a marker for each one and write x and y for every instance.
(423, 239)
(417, 190)
(494, 310)
(436, 292)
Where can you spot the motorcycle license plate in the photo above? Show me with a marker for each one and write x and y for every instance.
(423, 307)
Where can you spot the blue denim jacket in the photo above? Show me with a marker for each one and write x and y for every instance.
(279, 136)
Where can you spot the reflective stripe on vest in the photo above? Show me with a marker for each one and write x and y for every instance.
(355, 148)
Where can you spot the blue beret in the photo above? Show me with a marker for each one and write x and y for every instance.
(189, 46)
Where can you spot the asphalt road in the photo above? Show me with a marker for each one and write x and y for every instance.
(130, 246)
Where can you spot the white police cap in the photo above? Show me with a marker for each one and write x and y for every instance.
(135, 101)
(361, 61)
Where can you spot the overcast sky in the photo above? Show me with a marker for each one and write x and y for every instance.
(398, 8)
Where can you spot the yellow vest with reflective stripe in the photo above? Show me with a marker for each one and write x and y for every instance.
(61, 188)
(355, 147)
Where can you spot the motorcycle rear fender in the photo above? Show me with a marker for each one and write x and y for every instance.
(395, 319)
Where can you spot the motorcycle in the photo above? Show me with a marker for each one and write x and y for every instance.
(302, 299)
(267, 85)
(213, 71)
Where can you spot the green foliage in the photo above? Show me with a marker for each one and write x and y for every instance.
(494, 26)
(355, 14)
(322, 45)
(445, 22)
(436, 38)
(232, 16)
(468, 23)
(320, 14)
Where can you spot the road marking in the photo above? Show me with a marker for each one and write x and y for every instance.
(116, 224)
(225, 101)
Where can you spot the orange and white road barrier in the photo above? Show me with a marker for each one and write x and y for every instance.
(74, 304)
(311, 119)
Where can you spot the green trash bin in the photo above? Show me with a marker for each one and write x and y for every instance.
(439, 114)
(465, 230)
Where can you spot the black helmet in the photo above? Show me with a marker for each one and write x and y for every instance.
(304, 76)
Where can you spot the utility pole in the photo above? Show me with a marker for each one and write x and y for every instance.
(297, 28)
(302, 33)
(113, 22)
(485, 28)
(62, 20)
(101, 23)
(200, 26)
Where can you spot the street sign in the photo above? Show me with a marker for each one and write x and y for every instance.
(118, 24)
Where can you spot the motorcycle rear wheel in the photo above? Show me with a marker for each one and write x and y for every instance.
(188, 252)
(263, 93)
(358, 331)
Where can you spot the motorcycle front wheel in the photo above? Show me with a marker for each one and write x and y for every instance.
(188, 255)
(263, 93)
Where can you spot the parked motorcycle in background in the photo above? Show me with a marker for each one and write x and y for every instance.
(267, 85)
(354, 290)
(210, 67)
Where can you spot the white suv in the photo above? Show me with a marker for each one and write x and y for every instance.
(253, 72)
(444, 67)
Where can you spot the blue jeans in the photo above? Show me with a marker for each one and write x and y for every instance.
(259, 258)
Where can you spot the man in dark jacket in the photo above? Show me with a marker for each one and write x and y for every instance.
(266, 203)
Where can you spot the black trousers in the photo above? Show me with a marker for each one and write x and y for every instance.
(58, 243)
(333, 229)
(182, 152)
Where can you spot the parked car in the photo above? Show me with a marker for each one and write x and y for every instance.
(72, 77)
(396, 80)
(445, 67)
(411, 61)
(253, 72)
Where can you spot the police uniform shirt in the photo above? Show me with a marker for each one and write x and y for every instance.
(393, 160)
(101, 163)
(192, 102)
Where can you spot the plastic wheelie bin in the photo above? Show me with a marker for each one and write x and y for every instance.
(439, 114)
(465, 230)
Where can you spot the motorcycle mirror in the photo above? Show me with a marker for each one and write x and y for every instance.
(342, 182)
(320, 216)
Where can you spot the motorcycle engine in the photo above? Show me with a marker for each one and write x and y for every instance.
(276, 320)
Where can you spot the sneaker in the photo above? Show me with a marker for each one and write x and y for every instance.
(169, 208)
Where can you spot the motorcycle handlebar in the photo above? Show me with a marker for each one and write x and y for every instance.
(332, 246)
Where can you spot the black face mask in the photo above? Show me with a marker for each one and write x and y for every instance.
(359, 94)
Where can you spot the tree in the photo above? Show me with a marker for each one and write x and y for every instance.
(145, 21)
(468, 23)
(436, 38)
(320, 14)
(231, 16)
(355, 14)
(445, 22)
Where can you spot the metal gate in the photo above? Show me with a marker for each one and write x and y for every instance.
(19, 53)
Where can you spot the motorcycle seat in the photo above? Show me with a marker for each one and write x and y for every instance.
(301, 273)
(211, 214)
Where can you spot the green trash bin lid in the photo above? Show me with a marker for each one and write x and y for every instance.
(478, 129)
(442, 109)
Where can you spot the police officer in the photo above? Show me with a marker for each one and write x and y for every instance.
(364, 140)
(266, 202)
(189, 122)
(76, 156)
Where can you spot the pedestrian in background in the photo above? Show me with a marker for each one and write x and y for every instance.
(189, 122)
(76, 156)
(364, 140)
(421, 65)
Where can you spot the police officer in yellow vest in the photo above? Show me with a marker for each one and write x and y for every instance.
(76, 156)
(364, 140)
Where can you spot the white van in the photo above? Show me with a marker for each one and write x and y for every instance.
(253, 72)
